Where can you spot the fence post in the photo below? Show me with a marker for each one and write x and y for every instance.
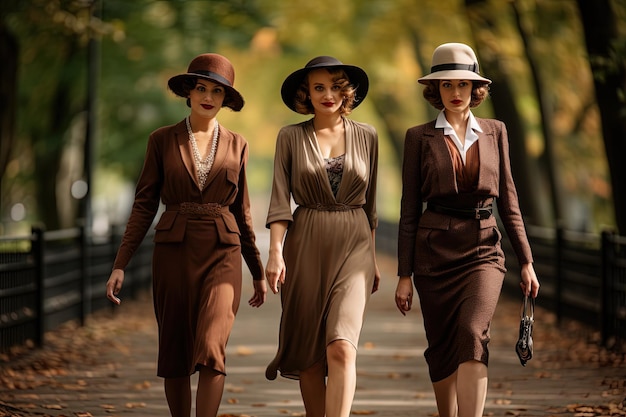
(558, 282)
(606, 254)
(37, 250)
(84, 290)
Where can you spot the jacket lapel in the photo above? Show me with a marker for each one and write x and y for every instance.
(447, 179)
(486, 147)
(223, 145)
(182, 137)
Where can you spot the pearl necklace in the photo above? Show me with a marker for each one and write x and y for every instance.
(203, 167)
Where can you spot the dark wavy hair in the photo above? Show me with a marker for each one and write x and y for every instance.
(480, 92)
(302, 102)
(190, 83)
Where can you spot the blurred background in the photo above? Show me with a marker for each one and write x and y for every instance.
(84, 82)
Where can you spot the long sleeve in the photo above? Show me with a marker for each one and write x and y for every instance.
(241, 210)
(411, 203)
(370, 195)
(508, 204)
(280, 201)
(145, 206)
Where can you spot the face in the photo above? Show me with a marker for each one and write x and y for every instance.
(456, 95)
(206, 98)
(325, 93)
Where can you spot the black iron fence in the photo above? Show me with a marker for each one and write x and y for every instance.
(583, 277)
(48, 278)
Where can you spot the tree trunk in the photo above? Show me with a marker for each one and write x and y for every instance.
(608, 65)
(527, 180)
(8, 92)
(547, 159)
(49, 145)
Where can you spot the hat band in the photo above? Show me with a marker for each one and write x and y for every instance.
(451, 67)
(214, 76)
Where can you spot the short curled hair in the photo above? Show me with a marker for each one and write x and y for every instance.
(302, 102)
(480, 92)
(190, 82)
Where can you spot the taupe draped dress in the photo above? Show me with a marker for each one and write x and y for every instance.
(328, 248)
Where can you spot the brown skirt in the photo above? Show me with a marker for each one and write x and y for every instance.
(196, 290)
(459, 280)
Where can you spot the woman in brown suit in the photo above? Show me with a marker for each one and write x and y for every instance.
(326, 268)
(197, 169)
(458, 164)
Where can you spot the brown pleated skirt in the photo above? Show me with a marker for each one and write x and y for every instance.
(459, 275)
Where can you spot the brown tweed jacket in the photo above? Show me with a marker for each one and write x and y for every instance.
(428, 175)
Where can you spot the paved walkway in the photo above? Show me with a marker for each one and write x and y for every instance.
(108, 367)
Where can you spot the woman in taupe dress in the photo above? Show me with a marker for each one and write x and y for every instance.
(326, 269)
(458, 164)
(197, 169)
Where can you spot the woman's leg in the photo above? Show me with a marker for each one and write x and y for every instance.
(445, 394)
(471, 388)
(313, 389)
(341, 357)
(178, 395)
(464, 392)
(210, 391)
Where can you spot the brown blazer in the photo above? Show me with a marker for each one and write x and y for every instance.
(428, 175)
(168, 175)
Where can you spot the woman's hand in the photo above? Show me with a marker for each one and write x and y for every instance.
(376, 278)
(530, 283)
(404, 294)
(275, 270)
(114, 285)
(376, 270)
(260, 291)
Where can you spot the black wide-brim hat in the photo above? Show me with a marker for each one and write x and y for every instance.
(358, 79)
(213, 67)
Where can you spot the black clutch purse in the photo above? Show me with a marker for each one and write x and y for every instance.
(524, 345)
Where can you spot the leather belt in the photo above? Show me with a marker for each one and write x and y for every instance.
(197, 209)
(331, 207)
(477, 213)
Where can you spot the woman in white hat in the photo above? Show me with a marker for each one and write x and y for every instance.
(326, 269)
(459, 165)
(197, 169)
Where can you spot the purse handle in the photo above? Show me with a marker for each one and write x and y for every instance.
(528, 307)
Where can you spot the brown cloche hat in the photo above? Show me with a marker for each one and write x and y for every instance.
(454, 61)
(358, 78)
(213, 67)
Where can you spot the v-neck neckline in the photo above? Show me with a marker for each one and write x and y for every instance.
(317, 144)
(321, 161)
